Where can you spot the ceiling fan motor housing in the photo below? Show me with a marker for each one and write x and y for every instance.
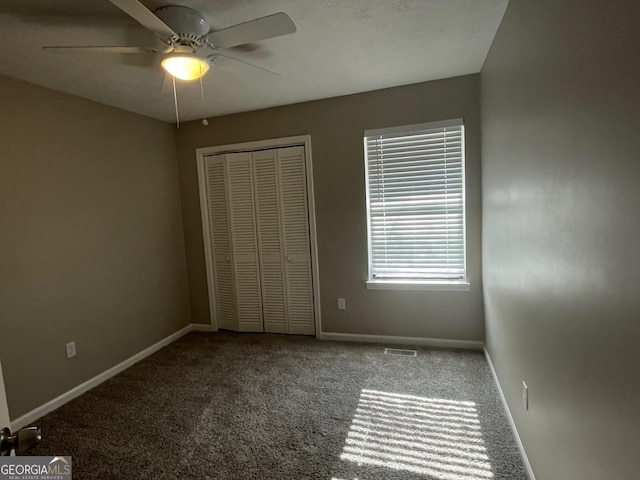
(188, 23)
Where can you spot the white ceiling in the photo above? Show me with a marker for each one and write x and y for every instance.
(341, 47)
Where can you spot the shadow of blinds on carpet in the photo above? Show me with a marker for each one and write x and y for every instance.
(426, 436)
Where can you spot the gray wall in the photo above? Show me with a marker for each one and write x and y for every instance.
(561, 231)
(91, 248)
(336, 127)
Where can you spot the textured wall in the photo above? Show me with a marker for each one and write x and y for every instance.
(336, 127)
(91, 248)
(561, 196)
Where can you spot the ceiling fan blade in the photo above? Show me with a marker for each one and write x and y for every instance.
(217, 58)
(258, 29)
(167, 82)
(144, 16)
(102, 49)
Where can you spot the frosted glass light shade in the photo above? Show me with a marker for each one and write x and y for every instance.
(185, 67)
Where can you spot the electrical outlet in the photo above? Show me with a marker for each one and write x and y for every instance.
(525, 396)
(71, 349)
(341, 304)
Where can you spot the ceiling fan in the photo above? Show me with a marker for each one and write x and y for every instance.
(190, 47)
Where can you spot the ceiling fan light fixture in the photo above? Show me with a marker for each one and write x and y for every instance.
(185, 66)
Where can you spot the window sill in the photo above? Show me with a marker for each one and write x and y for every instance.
(442, 286)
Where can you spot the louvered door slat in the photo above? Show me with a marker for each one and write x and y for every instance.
(295, 232)
(244, 242)
(220, 236)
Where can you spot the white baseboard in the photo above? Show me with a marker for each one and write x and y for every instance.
(60, 400)
(201, 327)
(523, 453)
(418, 341)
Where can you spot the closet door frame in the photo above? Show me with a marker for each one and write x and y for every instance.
(201, 154)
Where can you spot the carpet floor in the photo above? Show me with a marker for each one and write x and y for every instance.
(255, 406)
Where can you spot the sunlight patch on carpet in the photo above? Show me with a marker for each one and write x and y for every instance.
(426, 436)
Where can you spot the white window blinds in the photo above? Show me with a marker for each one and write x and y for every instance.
(415, 201)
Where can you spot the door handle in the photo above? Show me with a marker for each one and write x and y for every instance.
(23, 440)
(288, 258)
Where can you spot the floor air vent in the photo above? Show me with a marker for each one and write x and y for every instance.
(400, 352)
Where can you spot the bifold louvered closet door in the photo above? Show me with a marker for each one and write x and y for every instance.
(259, 224)
(233, 235)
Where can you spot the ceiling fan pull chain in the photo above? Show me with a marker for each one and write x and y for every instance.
(202, 89)
(175, 101)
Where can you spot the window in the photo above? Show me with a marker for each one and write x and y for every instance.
(415, 206)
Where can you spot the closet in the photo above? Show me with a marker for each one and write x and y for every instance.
(259, 243)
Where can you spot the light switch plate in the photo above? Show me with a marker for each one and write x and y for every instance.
(342, 304)
(71, 349)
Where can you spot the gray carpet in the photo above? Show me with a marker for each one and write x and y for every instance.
(253, 406)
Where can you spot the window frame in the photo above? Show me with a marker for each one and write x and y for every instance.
(426, 284)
